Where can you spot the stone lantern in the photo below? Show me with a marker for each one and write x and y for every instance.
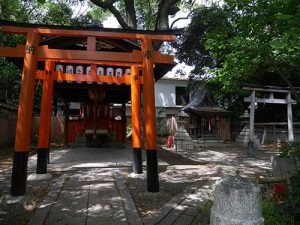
(181, 122)
(243, 137)
(245, 119)
(182, 139)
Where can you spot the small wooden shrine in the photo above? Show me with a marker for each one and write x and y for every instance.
(207, 121)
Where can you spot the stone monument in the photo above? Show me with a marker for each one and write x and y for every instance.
(237, 201)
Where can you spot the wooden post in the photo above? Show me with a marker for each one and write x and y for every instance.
(19, 171)
(66, 112)
(250, 149)
(123, 123)
(45, 119)
(290, 118)
(136, 120)
(150, 116)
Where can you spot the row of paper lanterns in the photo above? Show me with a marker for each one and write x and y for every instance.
(101, 71)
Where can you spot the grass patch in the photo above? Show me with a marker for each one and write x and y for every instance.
(274, 216)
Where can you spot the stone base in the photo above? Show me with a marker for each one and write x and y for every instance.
(243, 139)
(182, 140)
(184, 144)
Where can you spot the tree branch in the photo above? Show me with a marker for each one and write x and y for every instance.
(183, 18)
(108, 4)
(162, 20)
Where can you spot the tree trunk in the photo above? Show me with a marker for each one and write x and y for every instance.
(130, 14)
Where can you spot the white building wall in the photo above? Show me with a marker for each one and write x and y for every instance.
(165, 92)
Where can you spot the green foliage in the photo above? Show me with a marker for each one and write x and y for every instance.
(161, 125)
(291, 150)
(294, 194)
(9, 81)
(240, 42)
(273, 216)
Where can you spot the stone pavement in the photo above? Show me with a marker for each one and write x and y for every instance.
(90, 191)
(87, 197)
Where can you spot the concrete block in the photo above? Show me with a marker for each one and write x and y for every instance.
(237, 201)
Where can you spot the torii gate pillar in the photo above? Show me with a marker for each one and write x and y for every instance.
(19, 171)
(149, 113)
(136, 120)
(45, 119)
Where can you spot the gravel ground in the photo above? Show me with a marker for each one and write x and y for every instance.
(188, 167)
(19, 210)
(182, 169)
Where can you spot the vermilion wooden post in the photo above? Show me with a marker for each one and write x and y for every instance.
(150, 116)
(124, 123)
(136, 120)
(19, 171)
(45, 119)
(66, 127)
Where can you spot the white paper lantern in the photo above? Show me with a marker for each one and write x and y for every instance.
(59, 68)
(88, 70)
(79, 71)
(110, 71)
(100, 71)
(69, 69)
(119, 72)
(127, 71)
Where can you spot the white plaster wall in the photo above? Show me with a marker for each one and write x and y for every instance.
(165, 92)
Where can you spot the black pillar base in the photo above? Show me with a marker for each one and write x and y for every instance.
(250, 149)
(152, 171)
(137, 160)
(19, 174)
(48, 154)
(42, 159)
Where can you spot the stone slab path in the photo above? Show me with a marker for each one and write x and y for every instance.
(87, 197)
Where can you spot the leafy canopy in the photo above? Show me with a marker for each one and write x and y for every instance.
(243, 40)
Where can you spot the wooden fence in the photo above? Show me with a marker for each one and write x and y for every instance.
(8, 130)
(271, 132)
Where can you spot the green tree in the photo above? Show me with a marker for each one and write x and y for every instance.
(242, 41)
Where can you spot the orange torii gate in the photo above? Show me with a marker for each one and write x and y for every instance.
(32, 52)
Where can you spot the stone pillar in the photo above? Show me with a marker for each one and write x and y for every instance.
(237, 201)
(250, 149)
(290, 118)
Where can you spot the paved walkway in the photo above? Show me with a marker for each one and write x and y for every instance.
(87, 197)
(90, 191)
